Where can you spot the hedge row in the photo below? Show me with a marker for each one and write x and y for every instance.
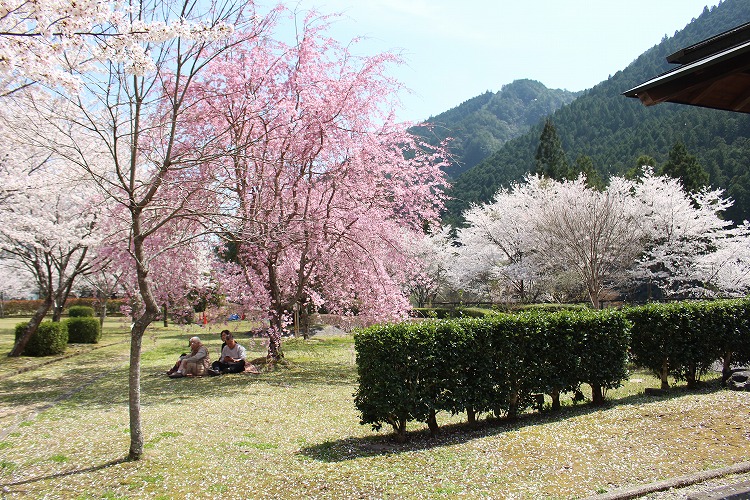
(450, 313)
(29, 307)
(51, 338)
(684, 339)
(501, 364)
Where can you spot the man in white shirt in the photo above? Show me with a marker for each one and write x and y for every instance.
(232, 358)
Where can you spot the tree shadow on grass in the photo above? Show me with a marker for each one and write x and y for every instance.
(95, 468)
(452, 434)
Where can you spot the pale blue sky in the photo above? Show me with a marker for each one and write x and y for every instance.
(458, 49)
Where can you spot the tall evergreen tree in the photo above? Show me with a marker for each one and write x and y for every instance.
(585, 165)
(645, 160)
(550, 156)
(685, 167)
(636, 172)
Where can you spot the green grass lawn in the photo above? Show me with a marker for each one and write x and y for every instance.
(294, 432)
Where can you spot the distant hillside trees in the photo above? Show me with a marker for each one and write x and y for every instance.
(685, 167)
(480, 126)
(550, 156)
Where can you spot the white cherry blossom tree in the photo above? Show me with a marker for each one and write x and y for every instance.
(691, 251)
(497, 253)
(123, 123)
(429, 259)
(50, 229)
(647, 231)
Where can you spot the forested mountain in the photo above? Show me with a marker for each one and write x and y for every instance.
(479, 126)
(614, 130)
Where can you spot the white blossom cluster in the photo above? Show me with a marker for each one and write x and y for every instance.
(50, 40)
(541, 237)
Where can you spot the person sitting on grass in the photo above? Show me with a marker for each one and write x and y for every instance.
(194, 364)
(224, 334)
(232, 358)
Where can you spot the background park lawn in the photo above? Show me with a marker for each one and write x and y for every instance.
(294, 432)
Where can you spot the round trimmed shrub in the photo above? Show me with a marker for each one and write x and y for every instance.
(81, 312)
(83, 330)
(50, 338)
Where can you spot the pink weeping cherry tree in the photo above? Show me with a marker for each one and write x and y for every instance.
(320, 182)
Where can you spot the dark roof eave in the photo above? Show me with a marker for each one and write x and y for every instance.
(648, 92)
(723, 41)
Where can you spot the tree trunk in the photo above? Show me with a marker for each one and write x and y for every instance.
(555, 399)
(513, 404)
(726, 369)
(399, 428)
(150, 314)
(692, 377)
(471, 415)
(134, 389)
(597, 396)
(432, 423)
(102, 311)
(305, 324)
(57, 313)
(274, 345)
(63, 292)
(164, 315)
(39, 315)
(665, 374)
(275, 330)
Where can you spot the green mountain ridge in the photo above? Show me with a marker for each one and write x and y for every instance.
(614, 130)
(482, 124)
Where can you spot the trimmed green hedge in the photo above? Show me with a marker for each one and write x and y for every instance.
(83, 330)
(49, 339)
(498, 364)
(551, 307)
(29, 307)
(81, 312)
(451, 313)
(683, 339)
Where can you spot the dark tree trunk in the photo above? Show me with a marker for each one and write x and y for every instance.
(399, 429)
(57, 313)
(555, 399)
(63, 293)
(726, 369)
(102, 311)
(597, 395)
(274, 337)
(692, 377)
(513, 404)
(39, 315)
(432, 423)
